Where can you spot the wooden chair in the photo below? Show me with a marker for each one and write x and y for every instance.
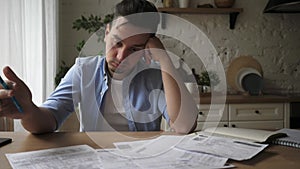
(6, 124)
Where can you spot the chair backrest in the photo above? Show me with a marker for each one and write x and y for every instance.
(6, 124)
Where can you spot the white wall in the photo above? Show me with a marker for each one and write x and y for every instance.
(272, 39)
(69, 11)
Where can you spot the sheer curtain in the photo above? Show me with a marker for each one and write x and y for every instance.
(28, 43)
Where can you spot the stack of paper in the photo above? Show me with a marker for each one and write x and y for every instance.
(81, 156)
(165, 152)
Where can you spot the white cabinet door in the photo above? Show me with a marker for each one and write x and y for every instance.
(264, 125)
(213, 113)
(252, 112)
(203, 125)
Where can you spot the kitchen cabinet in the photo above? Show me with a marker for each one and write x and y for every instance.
(216, 116)
(269, 116)
(255, 112)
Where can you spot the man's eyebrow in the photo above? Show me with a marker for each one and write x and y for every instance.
(117, 26)
(135, 45)
(140, 45)
(117, 37)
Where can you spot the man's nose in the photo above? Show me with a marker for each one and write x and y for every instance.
(122, 54)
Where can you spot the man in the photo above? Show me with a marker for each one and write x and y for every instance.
(131, 88)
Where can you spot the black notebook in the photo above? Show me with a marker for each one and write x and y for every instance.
(4, 141)
(292, 139)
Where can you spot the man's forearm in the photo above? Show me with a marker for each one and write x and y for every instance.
(39, 121)
(181, 106)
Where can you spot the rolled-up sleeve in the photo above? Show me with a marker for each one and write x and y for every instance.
(61, 102)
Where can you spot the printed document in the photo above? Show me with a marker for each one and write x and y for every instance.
(81, 156)
(161, 152)
(235, 149)
(192, 151)
(226, 147)
(172, 159)
(149, 148)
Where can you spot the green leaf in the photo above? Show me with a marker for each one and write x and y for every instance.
(80, 45)
(63, 69)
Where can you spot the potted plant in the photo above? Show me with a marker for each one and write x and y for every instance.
(90, 24)
(208, 79)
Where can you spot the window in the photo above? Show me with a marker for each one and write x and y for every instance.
(28, 43)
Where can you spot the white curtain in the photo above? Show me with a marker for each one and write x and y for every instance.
(28, 43)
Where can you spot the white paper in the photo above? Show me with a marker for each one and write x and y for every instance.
(148, 148)
(176, 158)
(164, 152)
(161, 153)
(129, 146)
(230, 148)
(113, 159)
(172, 159)
(81, 156)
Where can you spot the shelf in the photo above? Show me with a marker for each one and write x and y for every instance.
(233, 12)
(201, 10)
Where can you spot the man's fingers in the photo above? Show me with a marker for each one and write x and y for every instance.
(7, 110)
(10, 75)
(147, 56)
(5, 93)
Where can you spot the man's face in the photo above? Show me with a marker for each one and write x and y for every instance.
(124, 47)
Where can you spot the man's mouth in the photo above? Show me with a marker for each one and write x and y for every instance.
(115, 64)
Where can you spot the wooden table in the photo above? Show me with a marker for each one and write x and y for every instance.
(272, 157)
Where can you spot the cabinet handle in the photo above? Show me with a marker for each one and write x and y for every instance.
(233, 125)
(257, 112)
(200, 113)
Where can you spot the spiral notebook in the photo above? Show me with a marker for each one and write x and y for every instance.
(292, 139)
(252, 135)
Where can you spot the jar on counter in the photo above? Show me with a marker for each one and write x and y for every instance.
(168, 3)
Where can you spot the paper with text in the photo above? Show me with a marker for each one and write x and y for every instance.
(172, 159)
(81, 156)
(149, 148)
(230, 148)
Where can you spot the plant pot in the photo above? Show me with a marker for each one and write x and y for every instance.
(224, 3)
(206, 89)
(168, 3)
(184, 3)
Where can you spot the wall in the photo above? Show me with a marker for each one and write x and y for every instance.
(69, 11)
(272, 39)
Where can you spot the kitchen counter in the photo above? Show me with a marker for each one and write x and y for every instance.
(270, 112)
(206, 99)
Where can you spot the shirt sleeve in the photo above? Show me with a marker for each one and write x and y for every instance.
(61, 101)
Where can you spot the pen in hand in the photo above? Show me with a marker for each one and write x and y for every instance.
(14, 100)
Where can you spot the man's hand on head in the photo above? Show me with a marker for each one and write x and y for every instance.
(155, 50)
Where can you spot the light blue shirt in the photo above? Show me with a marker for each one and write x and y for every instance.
(85, 85)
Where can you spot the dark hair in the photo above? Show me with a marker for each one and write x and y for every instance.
(129, 7)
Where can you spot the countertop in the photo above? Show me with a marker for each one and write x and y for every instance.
(231, 99)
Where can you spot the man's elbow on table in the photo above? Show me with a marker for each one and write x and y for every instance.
(183, 128)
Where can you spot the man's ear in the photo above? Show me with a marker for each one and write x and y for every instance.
(107, 30)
